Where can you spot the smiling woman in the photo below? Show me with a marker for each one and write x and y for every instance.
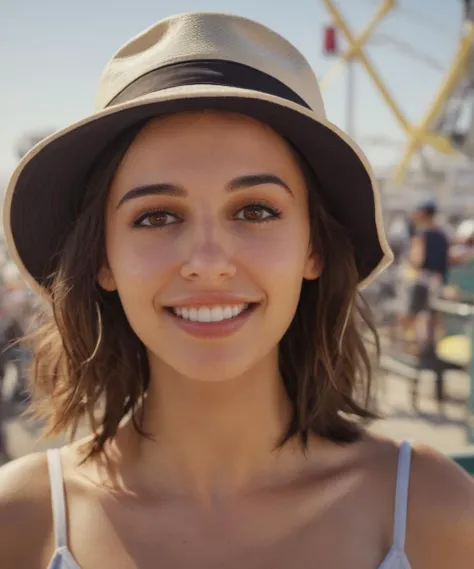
(197, 254)
(201, 242)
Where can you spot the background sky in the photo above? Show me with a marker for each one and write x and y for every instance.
(52, 54)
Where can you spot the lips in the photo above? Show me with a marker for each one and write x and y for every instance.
(211, 315)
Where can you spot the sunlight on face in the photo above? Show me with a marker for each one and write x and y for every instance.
(208, 242)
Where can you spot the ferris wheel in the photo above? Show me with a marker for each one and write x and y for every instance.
(448, 124)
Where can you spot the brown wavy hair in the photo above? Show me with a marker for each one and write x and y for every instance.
(323, 357)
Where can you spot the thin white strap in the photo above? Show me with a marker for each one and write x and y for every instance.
(57, 496)
(401, 495)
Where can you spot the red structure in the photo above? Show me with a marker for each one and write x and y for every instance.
(330, 40)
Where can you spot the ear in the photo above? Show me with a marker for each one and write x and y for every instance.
(313, 267)
(105, 278)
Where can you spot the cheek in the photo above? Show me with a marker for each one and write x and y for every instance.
(141, 266)
(281, 251)
(276, 263)
(138, 260)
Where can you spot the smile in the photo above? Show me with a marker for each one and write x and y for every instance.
(212, 321)
(209, 313)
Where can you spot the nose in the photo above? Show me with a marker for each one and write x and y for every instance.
(208, 260)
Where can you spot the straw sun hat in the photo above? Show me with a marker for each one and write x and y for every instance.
(193, 61)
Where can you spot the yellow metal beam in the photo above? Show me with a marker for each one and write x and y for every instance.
(358, 50)
(420, 134)
(354, 48)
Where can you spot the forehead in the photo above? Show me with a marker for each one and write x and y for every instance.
(203, 139)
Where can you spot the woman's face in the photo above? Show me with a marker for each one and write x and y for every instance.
(208, 242)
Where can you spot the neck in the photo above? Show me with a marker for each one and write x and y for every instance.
(213, 437)
(428, 224)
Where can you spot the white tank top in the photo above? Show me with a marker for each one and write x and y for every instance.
(395, 559)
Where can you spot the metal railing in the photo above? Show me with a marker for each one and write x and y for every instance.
(465, 311)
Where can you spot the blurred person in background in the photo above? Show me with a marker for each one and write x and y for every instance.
(426, 270)
(398, 235)
(18, 313)
(4, 344)
(462, 250)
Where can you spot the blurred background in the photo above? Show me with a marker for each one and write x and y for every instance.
(398, 76)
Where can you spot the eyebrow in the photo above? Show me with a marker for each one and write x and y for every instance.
(251, 180)
(153, 189)
(239, 183)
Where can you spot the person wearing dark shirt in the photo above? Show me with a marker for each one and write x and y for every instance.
(428, 257)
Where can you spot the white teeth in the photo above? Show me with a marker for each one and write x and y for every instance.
(204, 314)
(210, 313)
(216, 313)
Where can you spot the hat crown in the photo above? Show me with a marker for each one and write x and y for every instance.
(210, 36)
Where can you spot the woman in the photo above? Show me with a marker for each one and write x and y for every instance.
(201, 240)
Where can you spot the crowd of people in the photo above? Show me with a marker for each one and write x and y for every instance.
(18, 311)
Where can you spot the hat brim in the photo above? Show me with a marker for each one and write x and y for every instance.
(43, 193)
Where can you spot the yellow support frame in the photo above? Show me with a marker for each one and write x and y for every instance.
(356, 45)
(356, 50)
(359, 42)
(419, 134)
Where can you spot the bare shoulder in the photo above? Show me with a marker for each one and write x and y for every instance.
(439, 480)
(440, 515)
(25, 513)
(440, 525)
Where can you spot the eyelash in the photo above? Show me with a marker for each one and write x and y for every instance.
(274, 212)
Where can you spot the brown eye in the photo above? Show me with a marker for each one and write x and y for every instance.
(156, 219)
(256, 213)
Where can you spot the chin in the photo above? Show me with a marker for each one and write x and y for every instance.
(210, 366)
(212, 373)
(213, 370)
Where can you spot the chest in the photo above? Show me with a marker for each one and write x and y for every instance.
(300, 530)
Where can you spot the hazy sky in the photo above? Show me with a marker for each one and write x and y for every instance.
(52, 53)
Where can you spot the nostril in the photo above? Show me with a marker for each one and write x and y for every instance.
(207, 270)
